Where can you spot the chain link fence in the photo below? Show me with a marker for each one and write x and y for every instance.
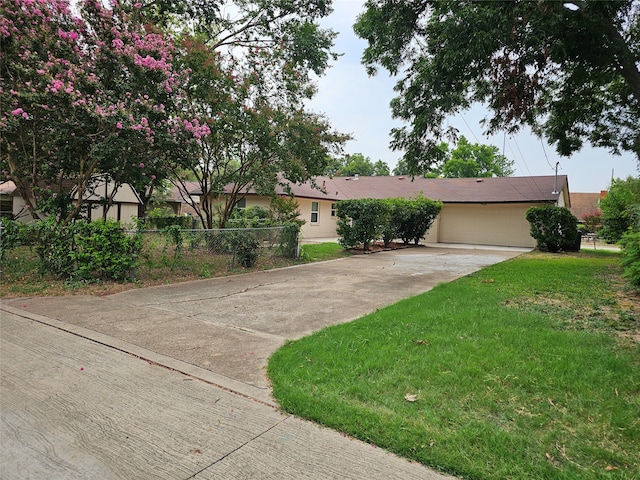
(233, 247)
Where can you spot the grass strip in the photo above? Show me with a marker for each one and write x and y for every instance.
(516, 371)
(318, 252)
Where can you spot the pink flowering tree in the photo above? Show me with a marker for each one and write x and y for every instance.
(82, 95)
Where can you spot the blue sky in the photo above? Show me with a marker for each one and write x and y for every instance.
(358, 104)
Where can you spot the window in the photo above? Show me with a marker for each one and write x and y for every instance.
(241, 204)
(333, 209)
(314, 212)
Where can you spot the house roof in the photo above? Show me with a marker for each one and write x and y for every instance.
(193, 188)
(539, 189)
(7, 187)
(584, 203)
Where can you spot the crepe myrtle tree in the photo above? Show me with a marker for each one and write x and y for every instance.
(569, 70)
(81, 95)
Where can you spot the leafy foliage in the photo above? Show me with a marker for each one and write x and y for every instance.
(631, 257)
(174, 235)
(245, 247)
(357, 164)
(82, 95)
(554, 228)
(412, 218)
(468, 160)
(103, 251)
(567, 69)
(249, 126)
(98, 250)
(361, 221)
(289, 240)
(11, 236)
(617, 208)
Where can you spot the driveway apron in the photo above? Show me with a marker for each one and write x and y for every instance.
(169, 382)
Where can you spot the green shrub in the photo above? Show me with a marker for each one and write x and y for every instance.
(361, 221)
(54, 244)
(86, 250)
(414, 217)
(390, 229)
(174, 236)
(104, 251)
(553, 228)
(160, 223)
(246, 248)
(288, 240)
(11, 236)
(631, 257)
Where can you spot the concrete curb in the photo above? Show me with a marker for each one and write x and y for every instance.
(223, 382)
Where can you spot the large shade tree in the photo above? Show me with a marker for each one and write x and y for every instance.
(248, 127)
(251, 65)
(570, 70)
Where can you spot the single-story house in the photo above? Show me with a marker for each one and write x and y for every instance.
(482, 211)
(125, 205)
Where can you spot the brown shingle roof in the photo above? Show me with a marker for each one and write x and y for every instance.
(584, 203)
(449, 190)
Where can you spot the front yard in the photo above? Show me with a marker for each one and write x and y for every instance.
(526, 369)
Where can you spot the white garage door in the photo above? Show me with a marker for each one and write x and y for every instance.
(489, 224)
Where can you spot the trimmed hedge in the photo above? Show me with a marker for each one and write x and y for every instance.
(363, 221)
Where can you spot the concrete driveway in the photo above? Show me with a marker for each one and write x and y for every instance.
(169, 382)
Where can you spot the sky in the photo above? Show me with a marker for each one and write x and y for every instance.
(358, 104)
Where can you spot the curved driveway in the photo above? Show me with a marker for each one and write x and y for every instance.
(218, 333)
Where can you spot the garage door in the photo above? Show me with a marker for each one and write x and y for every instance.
(489, 224)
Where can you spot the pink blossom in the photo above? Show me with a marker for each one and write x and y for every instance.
(73, 35)
(119, 125)
(17, 111)
(153, 177)
(142, 165)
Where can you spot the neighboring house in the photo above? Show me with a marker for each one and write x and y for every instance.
(585, 203)
(180, 205)
(125, 202)
(482, 211)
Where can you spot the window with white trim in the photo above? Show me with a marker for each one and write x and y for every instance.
(315, 212)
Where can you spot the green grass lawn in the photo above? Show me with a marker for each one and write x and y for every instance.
(323, 251)
(526, 369)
